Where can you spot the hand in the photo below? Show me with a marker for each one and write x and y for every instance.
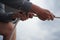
(42, 14)
(23, 16)
(45, 15)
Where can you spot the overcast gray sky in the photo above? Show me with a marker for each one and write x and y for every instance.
(35, 29)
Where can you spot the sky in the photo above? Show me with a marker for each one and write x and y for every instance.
(35, 29)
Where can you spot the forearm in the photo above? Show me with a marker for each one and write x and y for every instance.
(36, 9)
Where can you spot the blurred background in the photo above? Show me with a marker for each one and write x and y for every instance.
(35, 29)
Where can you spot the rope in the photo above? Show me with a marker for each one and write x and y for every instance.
(13, 30)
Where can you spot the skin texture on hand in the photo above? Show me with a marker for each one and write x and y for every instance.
(42, 14)
(23, 16)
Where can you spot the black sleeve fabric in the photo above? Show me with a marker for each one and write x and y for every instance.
(26, 6)
(4, 16)
(23, 5)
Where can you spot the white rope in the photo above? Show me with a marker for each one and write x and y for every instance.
(13, 30)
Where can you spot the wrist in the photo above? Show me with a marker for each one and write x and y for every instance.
(35, 9)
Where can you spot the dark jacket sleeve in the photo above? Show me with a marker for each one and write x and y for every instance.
(23, 5)
(5, 17)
